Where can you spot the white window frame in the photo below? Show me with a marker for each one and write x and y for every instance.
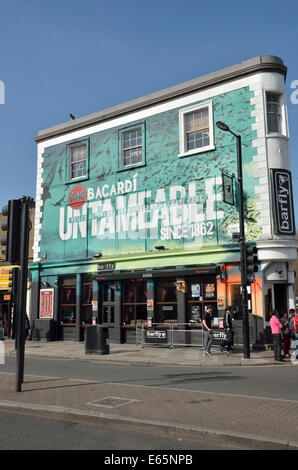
(70, 163)
(121, 133)
(182, 134)
(141, 147)
(284, 128)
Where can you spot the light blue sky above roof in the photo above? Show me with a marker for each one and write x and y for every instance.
(80, 57)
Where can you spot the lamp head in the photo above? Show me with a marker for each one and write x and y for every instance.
(222, 126)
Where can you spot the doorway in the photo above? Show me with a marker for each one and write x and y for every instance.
(281, 298)
(108, 303)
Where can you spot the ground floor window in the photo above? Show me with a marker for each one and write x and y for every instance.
(134, 301)
(166, 300)
(68, 300)
(200, 294)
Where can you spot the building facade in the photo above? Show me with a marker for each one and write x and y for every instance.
(130, 221)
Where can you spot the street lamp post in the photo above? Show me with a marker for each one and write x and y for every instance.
(246, 351)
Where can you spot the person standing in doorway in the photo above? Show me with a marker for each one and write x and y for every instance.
(276, 327)
(228, 326)
(207, 329)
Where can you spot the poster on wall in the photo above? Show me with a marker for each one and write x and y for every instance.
(46, 306)
(220, 303)
(209, 291)
(196, 290)
(196, 313)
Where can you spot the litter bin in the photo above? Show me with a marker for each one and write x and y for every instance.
(96, 339)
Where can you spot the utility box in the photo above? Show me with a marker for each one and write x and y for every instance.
(96, 339)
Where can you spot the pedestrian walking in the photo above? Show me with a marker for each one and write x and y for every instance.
(286, 335)
(293, 323)
(276, 327)
(228, 327)
(207, 331)
(27, 327)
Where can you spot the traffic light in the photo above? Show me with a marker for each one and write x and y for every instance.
(12, 281)
(251, 263)
(11, 225)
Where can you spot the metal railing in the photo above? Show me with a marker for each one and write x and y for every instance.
(182, 334)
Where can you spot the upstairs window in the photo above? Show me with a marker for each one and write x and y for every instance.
(273, 113)
(196, 129)
(276, 113)
(77, 161)
(131, 147)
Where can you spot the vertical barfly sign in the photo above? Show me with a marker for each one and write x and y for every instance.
(283, 202)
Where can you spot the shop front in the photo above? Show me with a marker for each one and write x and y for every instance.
(124, 300)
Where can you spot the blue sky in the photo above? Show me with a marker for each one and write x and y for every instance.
(80, 56)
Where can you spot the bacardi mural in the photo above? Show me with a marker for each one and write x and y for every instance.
(176, 202)
(123, 212)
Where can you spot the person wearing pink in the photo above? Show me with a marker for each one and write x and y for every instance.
(276, 327)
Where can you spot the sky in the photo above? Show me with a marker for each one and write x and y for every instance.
(81, 56)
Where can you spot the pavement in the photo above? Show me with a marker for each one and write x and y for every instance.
(250, 422)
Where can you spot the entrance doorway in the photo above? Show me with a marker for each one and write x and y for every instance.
(108, 303)
(281, 298)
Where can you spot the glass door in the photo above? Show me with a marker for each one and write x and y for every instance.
(108, 302)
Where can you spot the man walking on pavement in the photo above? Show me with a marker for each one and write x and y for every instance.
(207, 329)
(228, 326)
(276, 327)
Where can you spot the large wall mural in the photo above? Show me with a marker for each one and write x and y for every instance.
(169, 200)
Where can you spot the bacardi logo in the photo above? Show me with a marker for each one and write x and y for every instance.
(77, 196)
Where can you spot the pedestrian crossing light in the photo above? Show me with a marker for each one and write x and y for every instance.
(251, 263)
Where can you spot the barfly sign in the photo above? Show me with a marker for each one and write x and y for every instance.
(283, 202)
